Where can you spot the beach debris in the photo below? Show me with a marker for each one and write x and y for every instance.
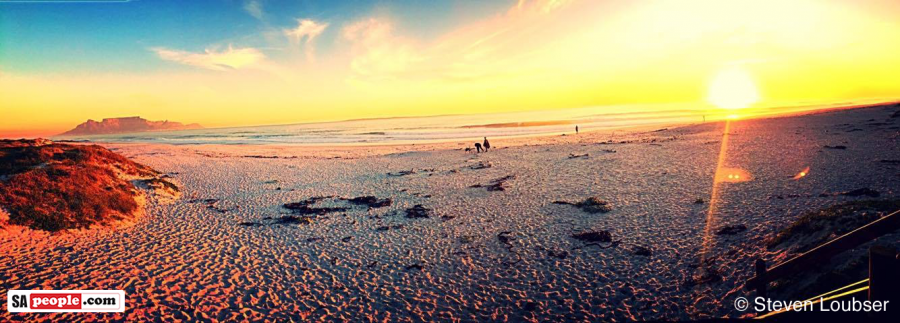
(731, 229)
(642, 251)
(313, 200)
(610, 151)
(292, 219)
(593, 236)
(249, 224)
(466, 239)
(418, 212)
(421, 195)
(496, 185)
(447, 217)
(699, 200)
(402, 173)
(506, 237)
(270, 157)
(838, 147)
(216, 204)
(890, 161)
(303, 207)
(591, 205)
(414, 267)
(559, 254)
(481, 165)
(531, 306)
(346, 239)
(573, 156)
(389, 227)
(370, 201)
(862, 192)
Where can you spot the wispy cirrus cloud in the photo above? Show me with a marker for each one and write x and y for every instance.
(378, 51)
(306, 31)
(254, 8)
(228, 59)
(501, 45)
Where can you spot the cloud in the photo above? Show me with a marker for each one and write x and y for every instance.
(543, 6)
(499, 46)
(377, 51)
(229, 59)
(254, 8)
(308, 29)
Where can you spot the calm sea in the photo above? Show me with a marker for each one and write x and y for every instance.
(435, 128)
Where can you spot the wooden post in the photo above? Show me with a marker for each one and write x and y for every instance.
(884, 281)
(762, 283)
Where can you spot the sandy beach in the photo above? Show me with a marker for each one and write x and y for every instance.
(466, 237)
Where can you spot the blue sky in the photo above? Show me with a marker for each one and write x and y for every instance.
(116, 36)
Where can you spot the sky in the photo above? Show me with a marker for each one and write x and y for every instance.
(256, 62)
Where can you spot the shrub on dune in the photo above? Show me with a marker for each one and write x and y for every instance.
(50, 186)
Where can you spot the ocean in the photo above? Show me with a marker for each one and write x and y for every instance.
(410, 130)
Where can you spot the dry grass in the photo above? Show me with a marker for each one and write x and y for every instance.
(817, 227)
(51, 186)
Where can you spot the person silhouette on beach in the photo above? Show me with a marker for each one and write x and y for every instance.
(487, 145)
(576, 129)
(477, 147)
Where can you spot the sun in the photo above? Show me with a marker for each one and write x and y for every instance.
(732, 88)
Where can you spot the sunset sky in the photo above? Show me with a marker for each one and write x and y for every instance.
(253, 62)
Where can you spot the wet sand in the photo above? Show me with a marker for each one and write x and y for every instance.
(479, 253)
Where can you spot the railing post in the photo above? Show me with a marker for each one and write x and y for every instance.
(884, 280)
(762, 282)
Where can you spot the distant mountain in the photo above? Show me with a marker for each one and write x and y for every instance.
(128, 124)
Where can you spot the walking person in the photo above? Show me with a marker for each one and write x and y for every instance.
(576, 129)
(487, 145)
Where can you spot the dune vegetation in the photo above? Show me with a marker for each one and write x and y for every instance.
(54, 186)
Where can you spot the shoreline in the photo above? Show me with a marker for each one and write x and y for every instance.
(358, 150)
(758, 113)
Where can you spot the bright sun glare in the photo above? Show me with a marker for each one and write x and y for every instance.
(732, 88)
